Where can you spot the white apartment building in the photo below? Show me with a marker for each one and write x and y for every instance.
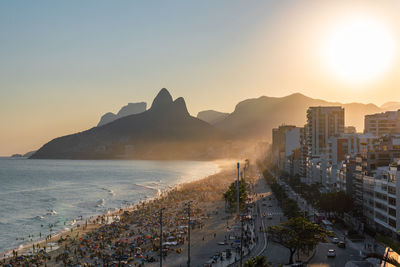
(322, 124)
(381, 198)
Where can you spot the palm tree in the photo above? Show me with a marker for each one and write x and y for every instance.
(258, 261)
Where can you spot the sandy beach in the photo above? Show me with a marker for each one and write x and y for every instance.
(133, 237)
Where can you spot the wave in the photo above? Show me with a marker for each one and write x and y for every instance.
(146, 187)
(110, 191)
(52, 212)
(100, 203)
(51, 199)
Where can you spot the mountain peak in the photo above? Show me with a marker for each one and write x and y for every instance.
(180, 105)
(297, 96)
(162, 99)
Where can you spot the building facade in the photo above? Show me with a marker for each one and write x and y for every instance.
(382, 123)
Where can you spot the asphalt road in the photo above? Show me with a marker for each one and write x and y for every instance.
(343, 255)
(277, 254)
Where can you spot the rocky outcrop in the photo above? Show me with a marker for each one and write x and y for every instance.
(130, 109)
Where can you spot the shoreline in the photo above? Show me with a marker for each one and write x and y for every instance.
(80, 227)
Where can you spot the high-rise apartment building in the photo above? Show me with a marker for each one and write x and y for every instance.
(382, 123)
(279, 144)
(323, 123)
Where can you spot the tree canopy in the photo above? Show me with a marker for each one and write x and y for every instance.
(297, 234)
(335, 202)
(230, 195)
(258, 261)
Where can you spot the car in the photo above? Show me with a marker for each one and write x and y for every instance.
(335, 240)
(331, 253)
(341, 244)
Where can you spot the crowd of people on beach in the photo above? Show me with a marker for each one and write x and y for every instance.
(132, 238)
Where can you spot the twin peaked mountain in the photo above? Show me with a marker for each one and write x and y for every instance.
(165, 131)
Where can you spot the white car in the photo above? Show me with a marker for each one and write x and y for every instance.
(331, 253)
(335, 240)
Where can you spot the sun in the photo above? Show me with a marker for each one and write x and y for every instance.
(359, 50)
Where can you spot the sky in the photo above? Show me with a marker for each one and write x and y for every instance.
(65, 63)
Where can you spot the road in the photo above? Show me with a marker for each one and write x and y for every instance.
(343, 255)
(274, 253)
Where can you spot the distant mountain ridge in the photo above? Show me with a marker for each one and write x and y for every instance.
(130, 109)
(390, 106)
(255, 118)
(212, 116)
(165, 131)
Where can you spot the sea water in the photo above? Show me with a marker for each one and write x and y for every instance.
(39, 197)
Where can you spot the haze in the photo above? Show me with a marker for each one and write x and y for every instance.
(65, 63)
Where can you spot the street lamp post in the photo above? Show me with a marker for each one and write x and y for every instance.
(189, 214)
(241, 241)
(237, 191)
(161, 232)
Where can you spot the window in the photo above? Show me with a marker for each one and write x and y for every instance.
(392, 212)
(381, 196)
(392, 190)
(392, 223)
(392, 201)
(380, 217)
(380, 206)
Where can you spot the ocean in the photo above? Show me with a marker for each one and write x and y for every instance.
(39, 196)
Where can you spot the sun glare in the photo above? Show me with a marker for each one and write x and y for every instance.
(359, 50)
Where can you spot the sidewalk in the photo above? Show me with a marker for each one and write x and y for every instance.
(235, 258)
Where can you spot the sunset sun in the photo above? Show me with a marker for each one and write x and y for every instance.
(358, 50)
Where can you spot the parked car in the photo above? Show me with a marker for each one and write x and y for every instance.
(341, 244)
(331, 253)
